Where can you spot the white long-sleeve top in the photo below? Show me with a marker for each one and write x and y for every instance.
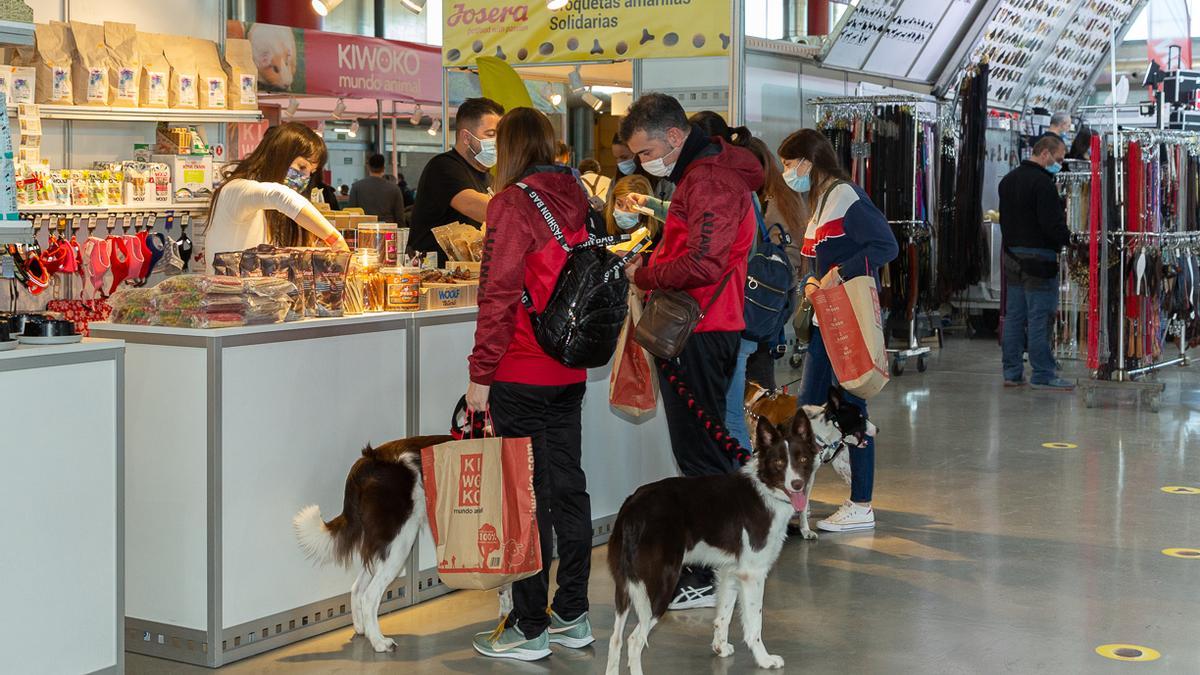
(238, 222)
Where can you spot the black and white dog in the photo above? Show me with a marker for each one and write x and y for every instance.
(837, 426)
(668, 524)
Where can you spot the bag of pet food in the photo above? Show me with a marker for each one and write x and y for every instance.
(124, 64)
(482, 511)
(182, 87)
(89, 76)
(155, 78)
(243, 75)
(329, 282)
(55, 50)
(212, 82)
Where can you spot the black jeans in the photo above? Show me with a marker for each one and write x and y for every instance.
(552, 418)
(706, 366)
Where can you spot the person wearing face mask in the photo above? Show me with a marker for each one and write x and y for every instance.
(261, 199)
(846, 233)
(627, 163)
(703, 250)
(1033, 227)
(455, 185)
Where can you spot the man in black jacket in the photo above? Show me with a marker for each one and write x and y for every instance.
(1034, 227)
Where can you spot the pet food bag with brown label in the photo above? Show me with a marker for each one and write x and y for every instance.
(212, 83)
(124, 64)
(243, 75)
(89, 76)
(55, 50)
(155, 78)
(182, 88)
(482, 511)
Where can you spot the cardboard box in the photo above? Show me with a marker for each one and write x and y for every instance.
(191, 176)
(448, 296)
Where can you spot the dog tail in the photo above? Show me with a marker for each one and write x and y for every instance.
(317, 538)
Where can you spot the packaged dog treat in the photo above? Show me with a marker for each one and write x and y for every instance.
(155, 77)
(182, 87)
(212, 83)
(249, 266)
(329, 278)
(89, 78)
(228, 263)
(23, 85)
(302, 277)
(55, 50)
(242, 73)
(124, 64)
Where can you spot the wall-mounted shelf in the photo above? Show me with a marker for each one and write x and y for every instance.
(16, 33)
(159, 208)
(107, 114)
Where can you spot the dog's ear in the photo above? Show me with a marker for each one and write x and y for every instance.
(801, 426)
(766, 435)
(835, 397)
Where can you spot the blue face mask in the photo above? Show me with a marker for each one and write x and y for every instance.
(625, 220)
(627, 167)
(296, 179)
(801, 184)
(1054, 168)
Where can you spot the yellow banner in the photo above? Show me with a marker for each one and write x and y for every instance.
(527, 31)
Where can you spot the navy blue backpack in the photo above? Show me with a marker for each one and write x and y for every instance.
(770, 293)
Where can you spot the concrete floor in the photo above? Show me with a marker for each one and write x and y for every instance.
(992, 554)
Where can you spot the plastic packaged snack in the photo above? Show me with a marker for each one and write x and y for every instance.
(199, 302)
(203, 283)
(269, 287)
(329, 281)
(302, 277)
(250, 266)
(228, 264)
(132, 306)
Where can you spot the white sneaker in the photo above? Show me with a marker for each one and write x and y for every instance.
(848, 518)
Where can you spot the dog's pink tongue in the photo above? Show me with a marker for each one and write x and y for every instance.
(799, 501)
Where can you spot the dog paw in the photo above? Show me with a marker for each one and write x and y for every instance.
(808, 535)
(771, 662)
(384, 645)
(723, 650)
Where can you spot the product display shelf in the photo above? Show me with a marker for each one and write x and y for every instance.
(115, 210)
(284, 412)
(108, 114)
(63, 553)
(16, 33)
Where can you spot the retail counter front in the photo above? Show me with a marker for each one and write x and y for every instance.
(231, 431)
(60, 490)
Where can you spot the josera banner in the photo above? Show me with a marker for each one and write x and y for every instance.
(299, 61)
(585, 30)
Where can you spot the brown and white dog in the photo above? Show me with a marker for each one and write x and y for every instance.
(382, 511)
(668, 524)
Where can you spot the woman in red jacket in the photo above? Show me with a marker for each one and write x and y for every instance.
(529, 393)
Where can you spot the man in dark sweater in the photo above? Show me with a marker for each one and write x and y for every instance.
(1034, 227)
(378, 196)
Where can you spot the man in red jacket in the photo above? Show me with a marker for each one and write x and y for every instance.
(703, 250)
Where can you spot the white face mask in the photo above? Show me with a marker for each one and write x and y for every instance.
(487, 151)
(659, 167)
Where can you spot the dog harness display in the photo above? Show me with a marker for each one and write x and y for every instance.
(98, 258)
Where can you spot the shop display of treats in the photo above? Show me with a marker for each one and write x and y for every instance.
(206, 301)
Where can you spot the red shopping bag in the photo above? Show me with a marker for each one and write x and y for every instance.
(482, 511)
(632, 386)
(851, 328)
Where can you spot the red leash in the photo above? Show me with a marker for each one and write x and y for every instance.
(714, 427)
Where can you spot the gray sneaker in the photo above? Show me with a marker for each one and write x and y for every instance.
(1057, 384)
(575, 634)
(511, 643)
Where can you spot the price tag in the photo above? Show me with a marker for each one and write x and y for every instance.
(91, 223)
(186, 218)
(126, 220)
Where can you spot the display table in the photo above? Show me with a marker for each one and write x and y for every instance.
(232, 431)
(61, 564)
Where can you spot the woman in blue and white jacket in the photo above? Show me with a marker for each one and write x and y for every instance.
(846, 231)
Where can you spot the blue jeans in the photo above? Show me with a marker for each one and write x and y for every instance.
(735, 398)
(1029, 309)
(814, 390)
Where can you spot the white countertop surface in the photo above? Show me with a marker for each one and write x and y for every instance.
(88, 345)
(360, 319)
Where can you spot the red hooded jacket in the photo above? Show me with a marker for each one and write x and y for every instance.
(709, 231)
(519, 252)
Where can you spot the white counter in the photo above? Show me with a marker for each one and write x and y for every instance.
(212, 557)
(61, 567)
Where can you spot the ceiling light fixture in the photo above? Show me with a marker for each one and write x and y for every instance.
(414, 6)
(555, 5)
(324, 7)
(435, 127)
(290, 111)
(575, 79)
(339, 109)
(593, 101)
(417, 115)
(353, 132)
